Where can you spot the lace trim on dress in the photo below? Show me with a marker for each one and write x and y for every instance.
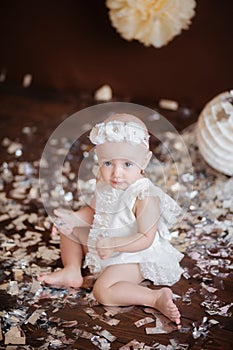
(160, 275)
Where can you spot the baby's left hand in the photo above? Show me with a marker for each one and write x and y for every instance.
(103, 247)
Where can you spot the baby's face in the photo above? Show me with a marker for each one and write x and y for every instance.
(136, 154)
(119, 173)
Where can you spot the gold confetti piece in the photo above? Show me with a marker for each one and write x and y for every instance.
(86, 335)
(35, 316)
(39, 228)
(133, 344)
(18, 274)
(20, 219)
(154, 330)
(168, 104)
(91, 313)
(68, 324)
(111, 321)
(15, 336)
(106, 334)
(27, 80)
(4, 217)
(35, 287)
(13, 147)
(13, 288)
(143, 321)
(209, 288)
(104, 93)
(4, 286)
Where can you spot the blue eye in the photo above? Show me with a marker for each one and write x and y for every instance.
(128, 164)
(107, 164)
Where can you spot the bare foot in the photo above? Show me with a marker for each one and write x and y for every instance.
(165, 304)
(66, 277)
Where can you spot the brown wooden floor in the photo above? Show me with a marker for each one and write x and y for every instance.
(41, 112)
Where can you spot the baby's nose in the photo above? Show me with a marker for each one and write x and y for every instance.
(116, 170)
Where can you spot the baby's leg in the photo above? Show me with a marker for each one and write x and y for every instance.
(72, 253)
(70, 275)
(119, 285)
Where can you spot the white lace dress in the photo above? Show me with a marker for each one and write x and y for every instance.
(114, 217)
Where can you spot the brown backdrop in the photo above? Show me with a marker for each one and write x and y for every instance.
(71, 45)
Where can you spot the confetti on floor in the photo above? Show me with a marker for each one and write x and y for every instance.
(34, 316)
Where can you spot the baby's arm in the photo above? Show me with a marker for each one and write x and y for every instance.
(147, 214)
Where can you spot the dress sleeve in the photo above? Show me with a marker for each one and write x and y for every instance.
(170, 211)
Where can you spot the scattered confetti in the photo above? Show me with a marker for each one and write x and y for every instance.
(143, 321)
(205, 236)
(15, 336)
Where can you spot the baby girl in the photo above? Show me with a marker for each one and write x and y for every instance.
(123, 236)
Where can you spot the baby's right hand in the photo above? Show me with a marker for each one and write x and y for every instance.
(63, 223)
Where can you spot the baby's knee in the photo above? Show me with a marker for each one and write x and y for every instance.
(100, 292)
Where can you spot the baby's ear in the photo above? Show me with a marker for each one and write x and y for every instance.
(97, 159)
(96, 156)
(147, 159)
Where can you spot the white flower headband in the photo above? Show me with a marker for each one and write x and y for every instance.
(118, 131)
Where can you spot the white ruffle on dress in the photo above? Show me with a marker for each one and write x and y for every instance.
(114, 217)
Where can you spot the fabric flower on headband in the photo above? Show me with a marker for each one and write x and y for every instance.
(117, 131)
(114, 131)
(152, 22)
